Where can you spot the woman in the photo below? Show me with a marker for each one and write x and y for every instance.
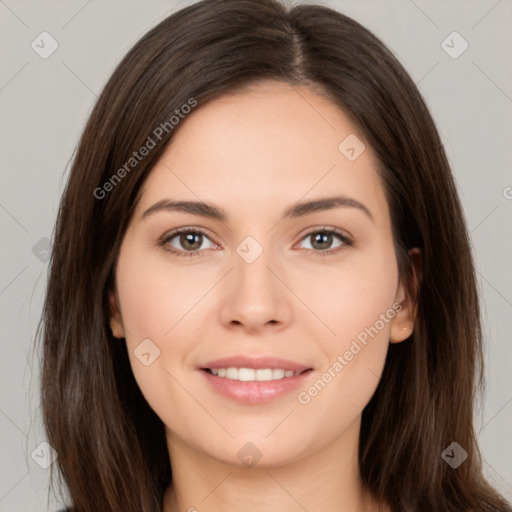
(199, 356)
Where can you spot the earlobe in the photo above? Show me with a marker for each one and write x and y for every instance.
(402, 325)
(116, 323)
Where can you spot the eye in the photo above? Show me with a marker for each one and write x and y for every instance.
(322, 239)
(190, 240)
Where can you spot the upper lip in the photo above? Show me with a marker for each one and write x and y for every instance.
(254, 362)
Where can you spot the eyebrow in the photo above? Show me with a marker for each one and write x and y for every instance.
(297, 210)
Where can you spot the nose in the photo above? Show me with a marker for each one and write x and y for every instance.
(255, 295)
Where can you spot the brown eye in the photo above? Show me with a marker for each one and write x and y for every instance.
(186, 242)
(191, 241)
(321, 241)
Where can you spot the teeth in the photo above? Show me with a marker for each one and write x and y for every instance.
(251, 374)
(277, 374)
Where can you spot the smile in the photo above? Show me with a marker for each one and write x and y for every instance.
(253, 374)
(254, 386)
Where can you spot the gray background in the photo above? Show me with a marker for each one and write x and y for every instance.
(45, 103)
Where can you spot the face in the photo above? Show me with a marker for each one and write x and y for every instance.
(316, 287)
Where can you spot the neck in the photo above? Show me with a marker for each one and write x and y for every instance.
(327, 479)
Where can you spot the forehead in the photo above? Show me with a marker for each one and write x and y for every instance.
(270, 144)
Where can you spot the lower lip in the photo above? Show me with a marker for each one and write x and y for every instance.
(254, 392)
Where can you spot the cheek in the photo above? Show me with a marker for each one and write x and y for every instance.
(358, 308)
(353, 298)
(153, 300)
(156, 305)
(163, 304)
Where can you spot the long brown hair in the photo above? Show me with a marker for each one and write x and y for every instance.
(111, 446)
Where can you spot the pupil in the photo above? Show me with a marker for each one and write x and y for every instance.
(188, 240)
(321, 237)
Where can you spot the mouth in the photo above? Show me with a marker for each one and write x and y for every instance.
(254, 374)
(253, 381)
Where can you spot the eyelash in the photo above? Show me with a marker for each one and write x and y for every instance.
(347, 242)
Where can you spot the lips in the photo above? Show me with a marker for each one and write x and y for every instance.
(255, 392)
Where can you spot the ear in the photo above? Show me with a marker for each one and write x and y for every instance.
(116, 322)
(402, 324)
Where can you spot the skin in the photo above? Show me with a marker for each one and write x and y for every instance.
(273, 144)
